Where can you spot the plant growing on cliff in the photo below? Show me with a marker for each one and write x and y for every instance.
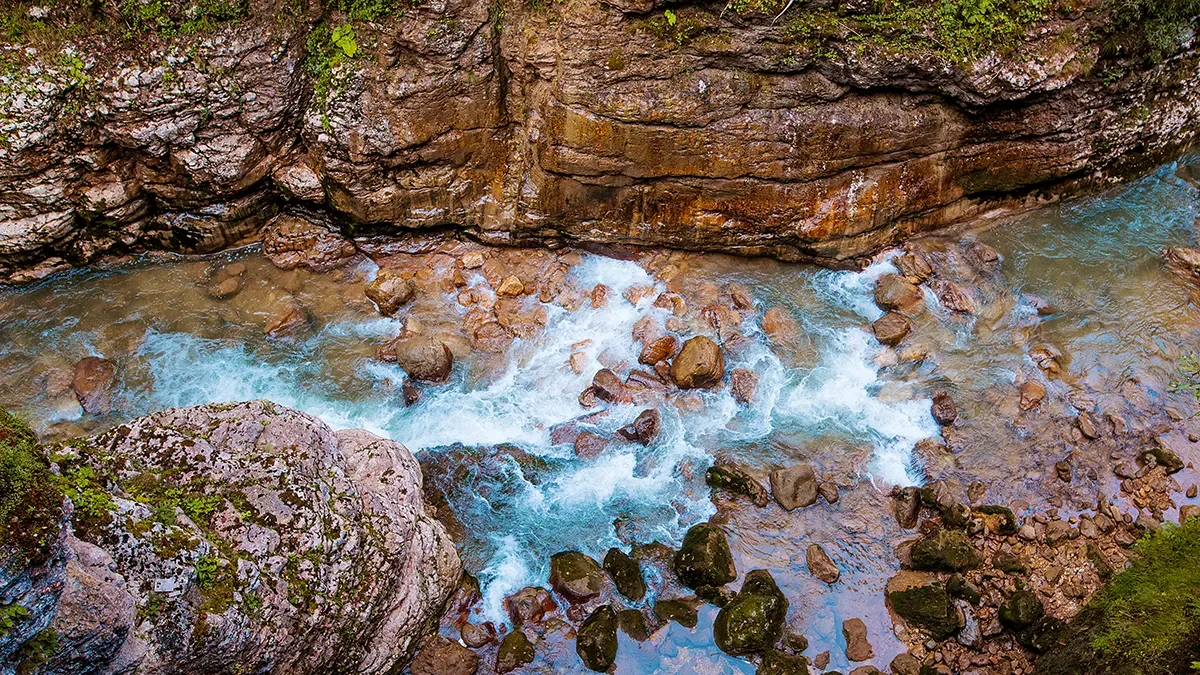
(327, 49)
(178, 17)
(30, 503)
(1151, 29)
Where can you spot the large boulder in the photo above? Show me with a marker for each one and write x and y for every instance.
(894, 293)
(93, 384)
(923, 603)
(704, 559)
(576, 576)
(390, 291)
(423, 358)
(625, 573)
(795, 487)
(243, 533)
(944, 550)
(1020, 609)
(699, 365)
(596, 641)
(306, 240)
(753, 621)
(737, 480)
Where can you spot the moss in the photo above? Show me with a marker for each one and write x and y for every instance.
(737, 481)
(1021, 609)
(1000, 519)
(928, 607)
(704, 559)
(93, 504)
(679, 28)
(776, 662)
(515, 651)
(625, 573)
(30, 501)
(944, 550)
(753, 621)
(678, 611)
(1150, 29)
(596, 641)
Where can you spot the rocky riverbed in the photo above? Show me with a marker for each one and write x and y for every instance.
(647, 460)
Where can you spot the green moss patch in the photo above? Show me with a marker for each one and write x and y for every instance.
(30, 501)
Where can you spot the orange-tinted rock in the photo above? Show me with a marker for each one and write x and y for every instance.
(1032, 394)
(891, 328)
(700, 364)
(310, 242)
(743, 382)
(662, 349)
(93, 384)
(424, 358)
(608, 387)
(779, 326)
(389, 291)
(895, 293)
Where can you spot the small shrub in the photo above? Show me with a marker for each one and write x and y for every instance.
(1151, 29)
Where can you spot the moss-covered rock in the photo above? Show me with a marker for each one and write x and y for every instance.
(1007, 562)
(515, 651)
(958, 586)
(999, 519)
(1021, 609)
(944, 550)
(716, 595)
(679, 611)
(576, 576)
(596, 641)
(704, 559)
(927, 606)
(633, 624)
(738, 481)
(753, 621)
(625, 573)
(30, 501)
(775, 662)
(1041, 635)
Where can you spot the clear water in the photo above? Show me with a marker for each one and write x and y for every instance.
(831, 397)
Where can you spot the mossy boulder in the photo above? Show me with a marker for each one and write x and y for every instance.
(704, 559)
(31, 504)
(1007, 562)
(515, 651)
(999, 519)
(1021, 609)
(927, 606)
(775, 662)
(738, 481)
(1041, 635)
(576, 576)
(632, 623)
(678, 611)
(596, 641)
(753, 621)
(625, 573)
(944, 551)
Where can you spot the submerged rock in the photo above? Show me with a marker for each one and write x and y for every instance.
(742, 384)
(576, 576)
(895, 293)
(596, 641)
(529, 605)
(442, 656)
(775, 662)
(93, 382)
(944, 410)
(820, 564)
(753, 621)
(1021, 609)
(923, 603)
(679, 611)
(736, 480)
(858, 647)
(625, 573)
(699, 365)
(891, 328)
(704, 559)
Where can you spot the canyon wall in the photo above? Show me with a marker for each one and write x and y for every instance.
(690, 125)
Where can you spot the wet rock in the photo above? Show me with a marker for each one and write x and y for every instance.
(905, 664)
(411, 393)
(953, 297)
(915, 265)
(958, 586)
(608, 387)
(753, 621)
(741, 297)
(775, 662)
(389, 291)
(599, 296)
(491, 337)
(1059, 531)
(93, 382)
(1020, 609)
(997, 519)
(794, 487)
(704, 559)
(866, 670)
(288, 317)
(1087, 425)
(424, 359)
(716, 595)
(779, 326)
(820, 564)
(589, 445)
(1187, 512)
(442, 656)
(971, 634)
(511, 286)
(644, 429)
(700, 364)
(737, 480)
(575, 576)
(828, 492)
(1032, 394)
(1007, 562)
(821, 661)
(596, 641)
(625, 573)
(906, 505)
(743, 382)
(1042, 635)
(475, 636)
(473, 260)
(529, 605)
(1063, 470)
(858, 647)
(227, 281)
(895, 293)
(891, 328)
(678, 611)
(944, 550)
(632, 623)
(662, 349)
(1183, 260)
(1165, 455)
(515, 651)
(944, 410)
(923, 603)
(306, 241)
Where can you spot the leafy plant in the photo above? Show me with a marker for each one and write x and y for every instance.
(207, 568)
(10, 615)
(1187, 376)
(1151, 29)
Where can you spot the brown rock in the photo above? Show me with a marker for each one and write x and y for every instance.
(743, 382)
(700, 364)
(311, 242)
(608, 387)
(644, 429)
(672, 301)
(1087, 425)
(600, 295)
(891, 328)
(662, 349)
(906, 505)
(821, 566)
(389, 291)
(905, 664)
(821, 660)
(529, 605)
(779, 326)
(93, 384)
(741, 296)
(1032, 394)
(289, 316)
(953, 297)
(858, 648)
(472, 260)
(589, 445)
(442, 656)
(944, 410)
(491, 337)
(794, 487)
(828, 492)
(423, 358)
(915, 265)
(895, 293)
(510, 286)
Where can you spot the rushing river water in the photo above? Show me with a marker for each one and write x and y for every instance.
(828, 394)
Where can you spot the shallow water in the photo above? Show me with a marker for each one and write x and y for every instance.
(831, 396)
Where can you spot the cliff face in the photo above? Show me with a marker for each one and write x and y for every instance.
(695, 126)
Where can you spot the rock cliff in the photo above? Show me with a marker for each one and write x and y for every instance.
(229, 538)
(821, 132)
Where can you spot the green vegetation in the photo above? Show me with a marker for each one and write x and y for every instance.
(1147, 620)
(1151, 29)
(10, 616)
(366, 10)
(957, 29)
(1187, 379)
(30, 502)
(681, 27)
(93, 503)
(35, 653)
(327, 50)
(178, 17)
